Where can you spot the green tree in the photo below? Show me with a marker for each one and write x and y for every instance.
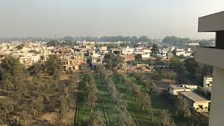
(19, 47)
(165, 119)
(112, 61)
(53, 43)
(174, 52)
(138, 57)
(96, 119)
(193, 71)
(169, 74)
(53, 66)
(12, 73)
(121, 104)
(179, 68)
(90, 90)
(182, 107)
(63, 105)
(72, 80)
(143, 39)
(7, 107)
(89, 61)
(196, 73)
(155, 49)
(124, 119)
(102, 72)
(157, 75)
(172, 40)
(199, 119)
(35, 69)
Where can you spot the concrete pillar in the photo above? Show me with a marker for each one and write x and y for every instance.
(217, 105)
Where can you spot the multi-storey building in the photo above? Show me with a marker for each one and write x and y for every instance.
(214, 57)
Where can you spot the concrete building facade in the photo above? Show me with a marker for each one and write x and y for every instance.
(214, 57)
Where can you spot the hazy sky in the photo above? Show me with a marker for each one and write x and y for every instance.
(154, 18)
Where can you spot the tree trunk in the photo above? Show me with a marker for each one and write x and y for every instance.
(143, 107)
(152, 116)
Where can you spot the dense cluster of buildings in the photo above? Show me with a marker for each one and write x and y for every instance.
(74, 57)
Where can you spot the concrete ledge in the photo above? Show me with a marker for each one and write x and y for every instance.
(210, 56)
(211, 23)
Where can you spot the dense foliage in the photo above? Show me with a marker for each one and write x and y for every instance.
(26, 98)
(172, 40)
(142, 38)
(53, 66)
(186, 71)
(112, 61)
(12, 73)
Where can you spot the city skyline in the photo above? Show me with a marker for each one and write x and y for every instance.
(155, 19)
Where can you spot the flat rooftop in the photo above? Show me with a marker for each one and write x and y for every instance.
(193, 96)
(176, 87)
(211, 23)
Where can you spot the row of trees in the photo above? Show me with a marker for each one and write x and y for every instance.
(151, 89)
(142, 96)
(172, 40)
(90, 92)
(164, 74)
(109, 38)
(66, 92)
(123, 117)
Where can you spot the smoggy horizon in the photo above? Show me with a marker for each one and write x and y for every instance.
(155, 19)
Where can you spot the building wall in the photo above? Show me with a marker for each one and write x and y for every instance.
(204, 105)
(207, 82)
(175, 91)
(212, 56)
(217, 110)
(199, 106)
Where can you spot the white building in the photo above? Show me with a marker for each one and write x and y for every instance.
(176, 89)
(207, 83)
(144, 52)
(199, 103)
(194, 44)
(127, 51)
(103, 49)
(182, 52)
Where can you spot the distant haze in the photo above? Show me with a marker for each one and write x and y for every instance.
(153, 18)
